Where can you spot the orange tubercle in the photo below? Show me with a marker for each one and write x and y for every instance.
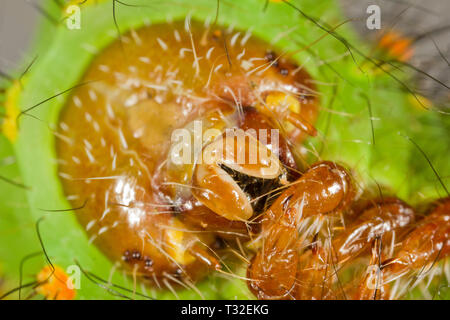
(55, 285)
(396, 45)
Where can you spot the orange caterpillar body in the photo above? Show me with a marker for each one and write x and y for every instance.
(165, 212)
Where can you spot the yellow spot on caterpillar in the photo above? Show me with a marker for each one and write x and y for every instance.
(419, 102)
(277, 99)
(55, 285)
(280, 103)
(9, 127)
(178, 241)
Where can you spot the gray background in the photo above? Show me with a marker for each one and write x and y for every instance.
(414, 17)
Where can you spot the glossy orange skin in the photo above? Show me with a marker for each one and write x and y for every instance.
(285, 269)
(383, 220)
(428, 242)
(423, 248)
(325, 188)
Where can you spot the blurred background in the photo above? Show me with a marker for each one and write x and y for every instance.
(425, 21)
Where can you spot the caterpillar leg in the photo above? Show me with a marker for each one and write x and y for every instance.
(420, 251)
(326, 188)
(381, 222)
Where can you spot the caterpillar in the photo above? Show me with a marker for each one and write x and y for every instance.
(111, 136)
